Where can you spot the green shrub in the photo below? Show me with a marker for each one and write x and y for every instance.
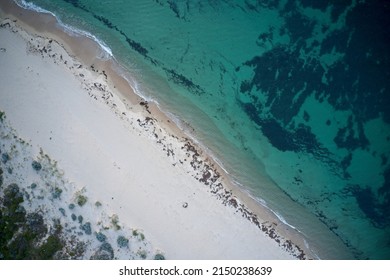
(1, 177)
(15, 237)
(12, 197)
(81, 200)
(36, 224)
(78, 250)
(101, 237)
(36, 165)
(142, 254)
(115, 222)
(140, 235)
(62, 210)
(105, 252)
(20, 248)
(122, 241)
(2, 116)
(159, 257)
(52, 245)
(5, 158)
(56, 193)
(87, 228)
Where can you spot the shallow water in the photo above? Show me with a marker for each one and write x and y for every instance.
(291, 97)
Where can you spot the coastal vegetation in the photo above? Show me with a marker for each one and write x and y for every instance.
(2, 116)
(122, 241)
(43, 216)
(80, 198)
(36, 165)
(24, 236)
(159, 257)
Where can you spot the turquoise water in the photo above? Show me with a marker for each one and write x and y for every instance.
(292, 97)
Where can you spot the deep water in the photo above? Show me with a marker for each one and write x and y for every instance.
(291, 96)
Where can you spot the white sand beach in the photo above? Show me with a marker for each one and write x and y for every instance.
(119, 150)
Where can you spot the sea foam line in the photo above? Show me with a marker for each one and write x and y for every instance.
(132, 82)
(279, 216)
(32, 6)
(73, 31)
(283, 220)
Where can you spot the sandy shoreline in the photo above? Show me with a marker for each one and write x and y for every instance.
(125, 153)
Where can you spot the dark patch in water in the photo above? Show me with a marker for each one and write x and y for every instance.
(384, 159)
(307, 141)
(345, 163)
(300, 139)
(376, 206)
(255, 5)
(337, 6)
(281, 98)
(252, 111)
(350, 139)
(358, 83)
(175, 9)
(298, 25)
(76, 4)
(281, 90)
(133, 44)
(106, 22)
(180, 79)
(384, 191)
(367, 203)
(264, 38)
(137, 47)
(306, 116)
(179, 8)
(356, 86)
(279, 137)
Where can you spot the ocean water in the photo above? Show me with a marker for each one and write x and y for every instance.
(292, 97)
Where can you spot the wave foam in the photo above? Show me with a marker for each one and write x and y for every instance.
(281, 218)
(264, 203)
(73, 31)
(31, 6)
